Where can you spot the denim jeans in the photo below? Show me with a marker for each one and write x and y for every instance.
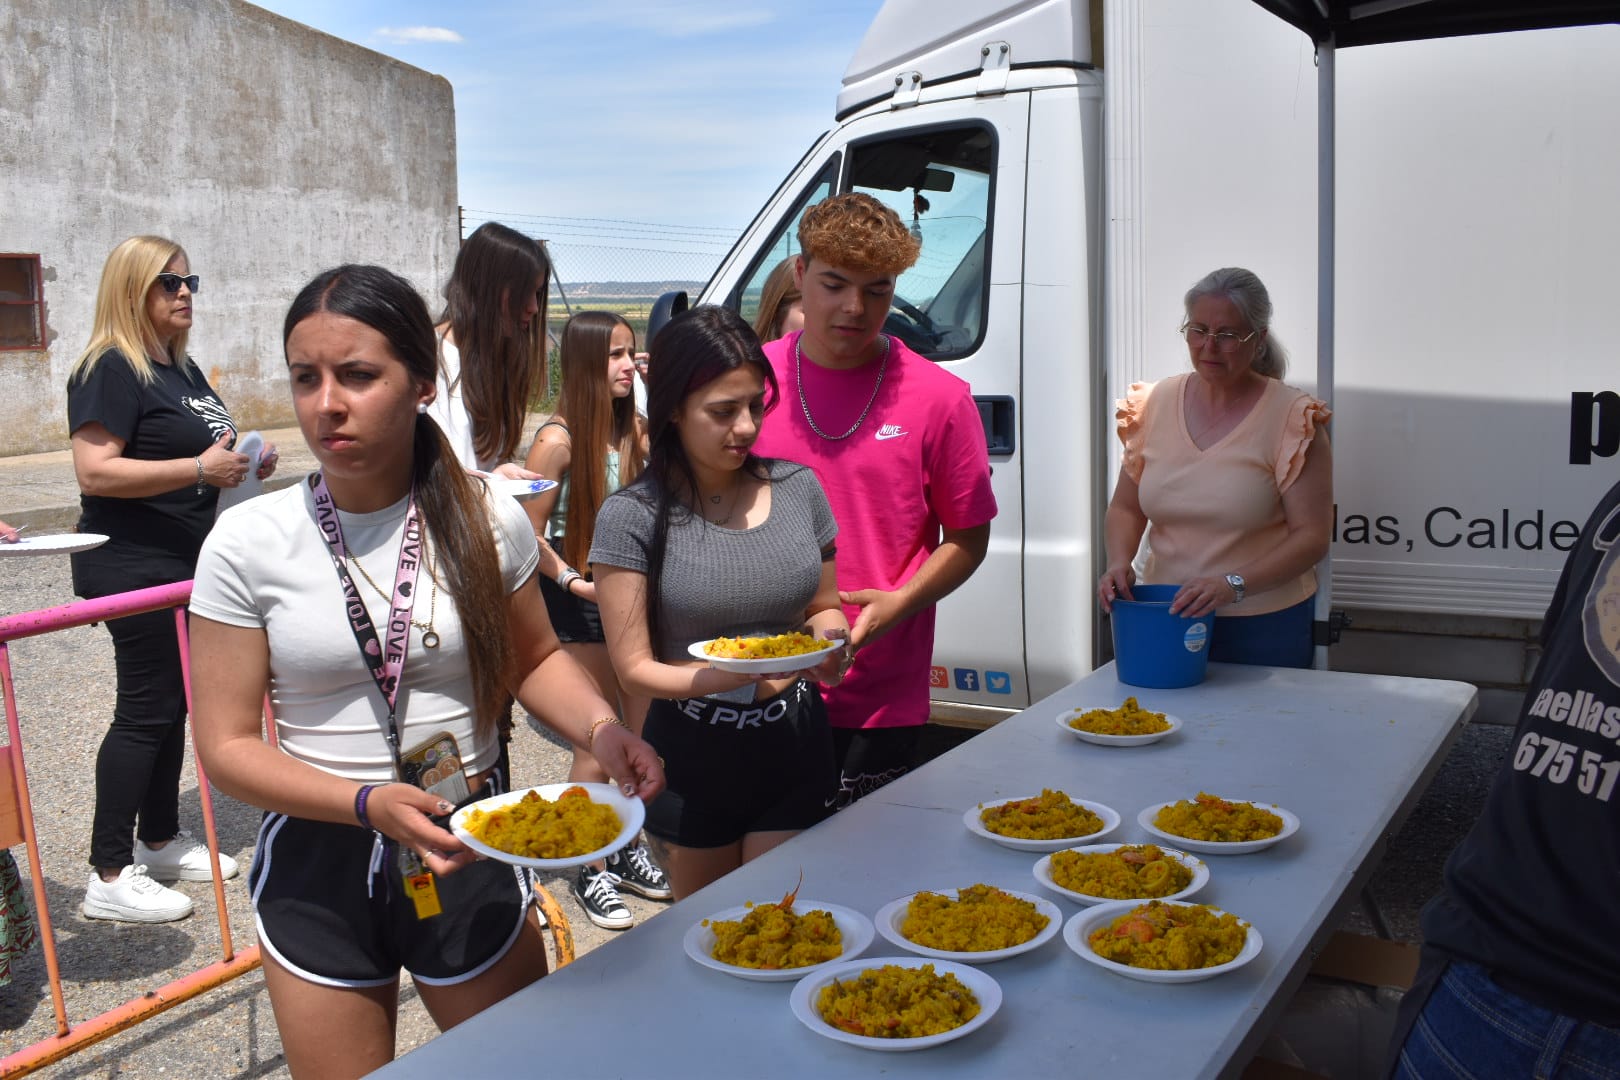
(1472, 1029)
(1278, 638)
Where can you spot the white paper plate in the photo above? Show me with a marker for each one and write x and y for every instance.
(57, 544)
(853, 927)
(1110, 820)
(1064, 717)
(769, 665)
(1200, 874)
(1217, 847)
(631, 814)
(518, 489)
(1079, 930)
(891, 916)
(806, 990)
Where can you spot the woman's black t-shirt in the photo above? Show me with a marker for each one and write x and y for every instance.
(176, 415)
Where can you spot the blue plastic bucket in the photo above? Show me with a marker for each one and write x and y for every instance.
(1154, 648)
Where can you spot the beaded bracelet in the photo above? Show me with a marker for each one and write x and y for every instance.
(360, 798)
(590, 739)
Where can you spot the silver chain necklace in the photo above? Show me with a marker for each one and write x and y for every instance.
(804, 402)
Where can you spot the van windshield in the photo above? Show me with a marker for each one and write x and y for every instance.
(938, 181)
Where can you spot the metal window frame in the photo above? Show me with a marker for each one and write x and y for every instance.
(37, 303)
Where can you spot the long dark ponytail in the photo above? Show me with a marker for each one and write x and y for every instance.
(455, 513)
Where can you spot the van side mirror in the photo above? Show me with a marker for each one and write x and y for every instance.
(665, 308)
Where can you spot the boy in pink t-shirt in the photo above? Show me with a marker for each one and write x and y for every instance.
(898, 445)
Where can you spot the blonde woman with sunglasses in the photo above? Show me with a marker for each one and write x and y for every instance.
(151, 451)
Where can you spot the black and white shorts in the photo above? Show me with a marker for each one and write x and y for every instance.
(733, 769)
(331, 908)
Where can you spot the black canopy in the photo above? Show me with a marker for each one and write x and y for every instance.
(1372, 22)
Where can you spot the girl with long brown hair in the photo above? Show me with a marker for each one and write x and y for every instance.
(289, 597)
(491, 347)
(592, 445)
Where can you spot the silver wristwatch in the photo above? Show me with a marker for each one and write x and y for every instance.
(1236, 581)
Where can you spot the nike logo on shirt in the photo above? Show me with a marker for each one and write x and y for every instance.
(889, 431)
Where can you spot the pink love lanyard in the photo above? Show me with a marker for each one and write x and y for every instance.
(384, 659)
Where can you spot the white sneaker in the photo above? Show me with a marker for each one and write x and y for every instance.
(133, 897)
(182, 859)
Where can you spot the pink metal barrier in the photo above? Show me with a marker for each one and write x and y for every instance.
(16, 805)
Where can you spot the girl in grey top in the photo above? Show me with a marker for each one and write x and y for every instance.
(714, 541)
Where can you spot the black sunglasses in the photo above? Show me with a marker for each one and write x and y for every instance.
(171, 282)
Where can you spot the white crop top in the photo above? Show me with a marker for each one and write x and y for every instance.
(266, 566)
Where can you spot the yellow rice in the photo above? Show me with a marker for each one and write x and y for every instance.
(1210, 817)
(1133, 872)
(896, 1002)
(981, 918)
(1169, 937)
(763, 648)
(538, 828)
(1129, 719)
(1051, 815)
(771, 937)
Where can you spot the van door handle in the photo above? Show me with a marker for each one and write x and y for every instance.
(998, 413)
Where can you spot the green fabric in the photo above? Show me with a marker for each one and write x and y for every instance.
(558, 525)
(16, 924)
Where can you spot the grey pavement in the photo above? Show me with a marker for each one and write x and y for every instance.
(40, 490)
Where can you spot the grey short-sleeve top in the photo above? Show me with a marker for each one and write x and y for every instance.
(720, 581)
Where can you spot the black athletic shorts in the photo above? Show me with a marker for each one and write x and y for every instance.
(577, 621)
(868, 758)
(331, 908)
(735, 768)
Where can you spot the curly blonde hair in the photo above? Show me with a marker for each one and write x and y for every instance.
(856, 232)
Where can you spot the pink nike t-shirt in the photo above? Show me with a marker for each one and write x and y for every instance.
(916, 463)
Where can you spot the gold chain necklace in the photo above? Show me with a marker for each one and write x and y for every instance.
(736, 494)
(430, 637)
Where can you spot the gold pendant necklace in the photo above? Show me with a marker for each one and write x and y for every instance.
(430, 637)
(736, 494)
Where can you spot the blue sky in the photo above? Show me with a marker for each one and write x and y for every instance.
(677, 113)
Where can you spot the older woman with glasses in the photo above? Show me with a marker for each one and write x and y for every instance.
(151, 451)
(1231, 471)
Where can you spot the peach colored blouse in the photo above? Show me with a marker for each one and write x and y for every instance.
(1210, 511)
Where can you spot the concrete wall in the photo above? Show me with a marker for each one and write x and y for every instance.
(268, 150)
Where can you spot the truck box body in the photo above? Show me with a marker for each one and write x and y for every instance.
(1065, 207)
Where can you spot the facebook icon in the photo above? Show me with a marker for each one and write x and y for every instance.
(966, 678)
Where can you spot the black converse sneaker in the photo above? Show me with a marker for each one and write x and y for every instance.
(637, 873)
(598, 893)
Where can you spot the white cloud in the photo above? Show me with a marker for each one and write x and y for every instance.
(689, 23)
(415, 35)
(664, 19)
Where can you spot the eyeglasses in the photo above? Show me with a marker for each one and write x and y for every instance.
(1223, 341)
(171, 282)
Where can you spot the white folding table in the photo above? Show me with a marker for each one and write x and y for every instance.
(1349, 754)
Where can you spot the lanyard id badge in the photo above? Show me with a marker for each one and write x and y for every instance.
(385, 658)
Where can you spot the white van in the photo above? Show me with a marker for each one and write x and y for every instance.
(1064, 208)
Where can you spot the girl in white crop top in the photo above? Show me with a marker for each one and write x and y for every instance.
(361, 357)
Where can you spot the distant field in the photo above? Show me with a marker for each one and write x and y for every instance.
(632, 299)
